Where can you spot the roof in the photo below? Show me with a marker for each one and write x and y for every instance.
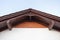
(30, 12)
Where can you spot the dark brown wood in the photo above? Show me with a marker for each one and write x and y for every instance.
(47, 15)
(14, 18)
(9, 25)
(46, 20)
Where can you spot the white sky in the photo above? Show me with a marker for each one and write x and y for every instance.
(10, 6)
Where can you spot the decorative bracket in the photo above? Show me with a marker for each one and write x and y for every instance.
(9, 25)
(51, 25)
(50, 22)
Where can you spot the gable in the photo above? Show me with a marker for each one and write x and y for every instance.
(46, 18)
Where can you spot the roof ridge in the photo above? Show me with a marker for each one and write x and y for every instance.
(12, 15)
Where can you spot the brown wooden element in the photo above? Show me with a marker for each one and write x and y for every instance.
(9, 25)
(52, 22)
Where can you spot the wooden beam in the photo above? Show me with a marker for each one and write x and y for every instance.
(49, 21)
(51, 25)
(9, 25)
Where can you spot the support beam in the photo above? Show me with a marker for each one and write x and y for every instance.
(49, 21)
(30, 18)
(9, 25)
(51, 25)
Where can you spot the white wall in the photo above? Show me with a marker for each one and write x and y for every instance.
(29, 34)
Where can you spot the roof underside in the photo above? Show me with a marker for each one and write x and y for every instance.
(12, 15)
(56, 19)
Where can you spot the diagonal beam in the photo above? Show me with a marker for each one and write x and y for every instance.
(49, 21)
(9, 25)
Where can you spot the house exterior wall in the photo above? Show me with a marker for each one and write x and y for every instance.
(30, 34)
(30, 31)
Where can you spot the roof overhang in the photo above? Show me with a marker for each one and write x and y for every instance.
(53, 21)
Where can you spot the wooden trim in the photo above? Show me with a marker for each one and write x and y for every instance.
(9, 25)
(47, 15)
(47, 18)
(51, 25)
(50, 22)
